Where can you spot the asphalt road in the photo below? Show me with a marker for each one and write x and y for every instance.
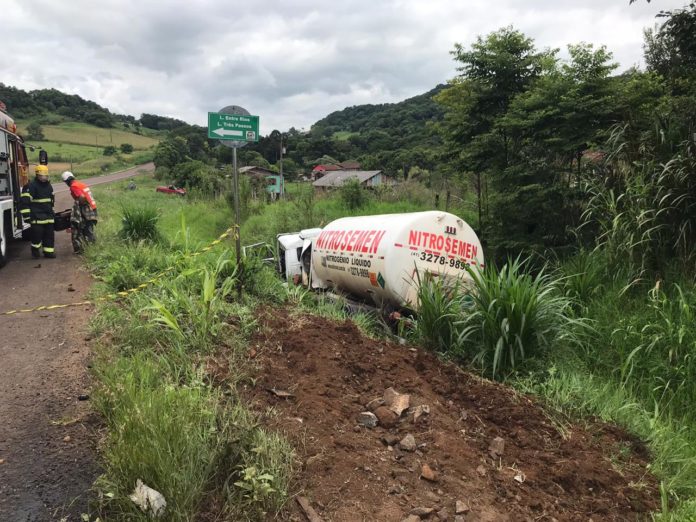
(47, 436)
(60, 189)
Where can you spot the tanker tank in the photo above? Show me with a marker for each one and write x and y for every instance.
(377, 257)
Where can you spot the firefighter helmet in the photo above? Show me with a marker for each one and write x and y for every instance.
(41, 170)
(67, 175)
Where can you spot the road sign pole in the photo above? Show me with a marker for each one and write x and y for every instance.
(238, 240)
(234, 127)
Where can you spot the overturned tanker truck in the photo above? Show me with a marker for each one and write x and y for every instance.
(380, 259)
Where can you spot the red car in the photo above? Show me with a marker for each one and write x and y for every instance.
(171, 189)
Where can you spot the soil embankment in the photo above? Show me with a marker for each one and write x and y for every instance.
(482, 452)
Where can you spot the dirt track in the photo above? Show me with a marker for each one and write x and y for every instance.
(544, 471)
(47, 435)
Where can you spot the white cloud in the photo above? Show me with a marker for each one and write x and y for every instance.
(291, 62)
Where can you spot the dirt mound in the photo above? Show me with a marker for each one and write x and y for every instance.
(482, 452)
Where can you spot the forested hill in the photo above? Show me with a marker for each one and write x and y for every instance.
(404, 121)
(45, 102)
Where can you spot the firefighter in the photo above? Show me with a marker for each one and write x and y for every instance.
(84, 213)
(37, 208)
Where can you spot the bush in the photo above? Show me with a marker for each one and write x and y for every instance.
(199, 176)
(109, 150)
(35, 131)
(352, 194)
(140, 224)
(126, 148)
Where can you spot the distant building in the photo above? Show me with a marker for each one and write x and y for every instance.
(263, 177)
(320, 170)
(367, 178)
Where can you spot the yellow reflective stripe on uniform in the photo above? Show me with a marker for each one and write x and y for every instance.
(25, 211)
(49, 250)
(26, 195)
(42, 200)
(36, 245)
(43, 221)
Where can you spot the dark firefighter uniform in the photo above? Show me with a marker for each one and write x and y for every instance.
(37, 208)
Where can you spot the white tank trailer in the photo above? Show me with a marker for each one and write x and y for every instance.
(378, 257)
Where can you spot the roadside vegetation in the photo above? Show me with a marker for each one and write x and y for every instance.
(580, 184)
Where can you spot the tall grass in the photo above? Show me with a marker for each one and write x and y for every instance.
(516, 316)
(500, 320)
(140, 224)
(170, 423)
(439, 309)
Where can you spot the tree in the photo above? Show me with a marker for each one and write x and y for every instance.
(492, 73)
(35, 131)
(109, 150)
(197, 175)
(126, 148)
(171, 152)
(671, 50)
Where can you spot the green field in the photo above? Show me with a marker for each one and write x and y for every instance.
(84, 134)
(79, 147)
(63, 152)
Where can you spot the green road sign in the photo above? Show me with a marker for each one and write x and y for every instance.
(238, 127)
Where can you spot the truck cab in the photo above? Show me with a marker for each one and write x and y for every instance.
(14, 168)
(294, 257)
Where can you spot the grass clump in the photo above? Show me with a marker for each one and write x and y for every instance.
(140, 224)
(515, 316)
(499, 321)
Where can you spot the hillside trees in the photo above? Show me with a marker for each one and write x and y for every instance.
(518, 122)
(492, 73)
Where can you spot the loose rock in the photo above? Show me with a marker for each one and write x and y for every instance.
(408, 443)
(461, 507)
(386, 417)
(421, 410)
(395, 401)
(67, 438)
(428, 473)
(367, 419)
(497, 447)
(422, 511)
(375, 403)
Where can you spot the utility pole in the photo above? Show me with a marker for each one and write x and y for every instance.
(282, 180)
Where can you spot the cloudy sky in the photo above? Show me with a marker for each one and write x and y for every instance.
(289, 61)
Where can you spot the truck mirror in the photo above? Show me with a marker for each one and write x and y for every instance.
(43, 157)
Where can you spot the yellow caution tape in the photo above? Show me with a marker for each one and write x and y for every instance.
(125, 293)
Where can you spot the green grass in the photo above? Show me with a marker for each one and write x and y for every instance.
(169, 424)
(78, 133)
(63, 152)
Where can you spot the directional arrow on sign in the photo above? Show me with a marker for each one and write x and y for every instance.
(226, 132)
